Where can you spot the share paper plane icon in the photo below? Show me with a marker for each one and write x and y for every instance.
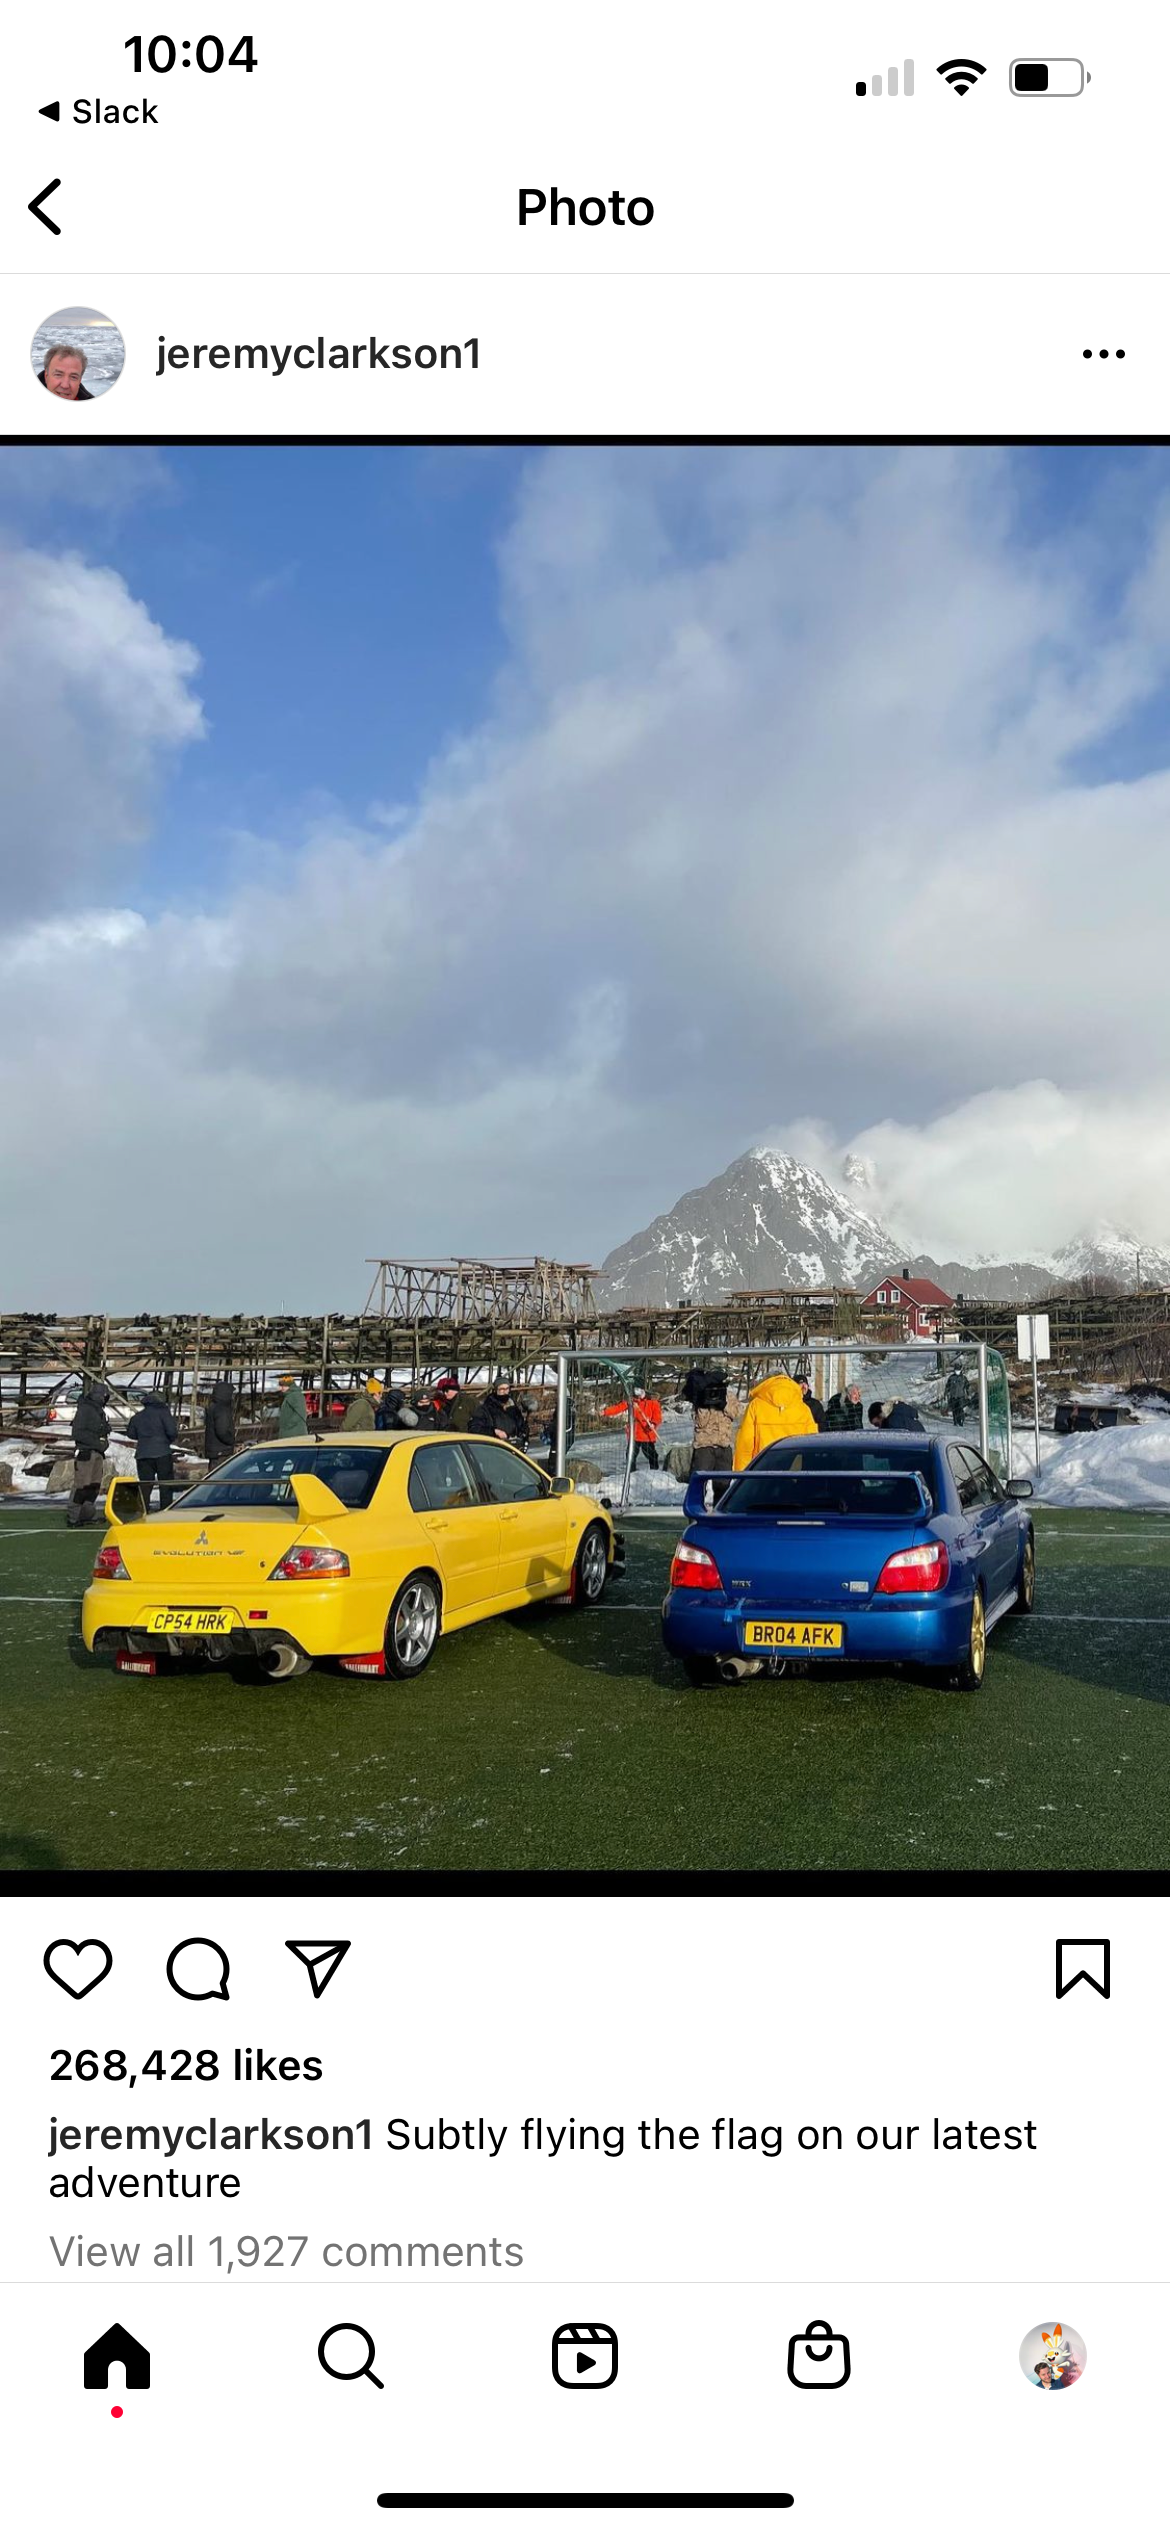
(320, 1959)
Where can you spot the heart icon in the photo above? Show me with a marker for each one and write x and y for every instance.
(81, 1966)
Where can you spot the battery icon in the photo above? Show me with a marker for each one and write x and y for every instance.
(1055, 75)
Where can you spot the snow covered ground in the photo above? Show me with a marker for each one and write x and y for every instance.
(32, 1464)
(1127, 1470)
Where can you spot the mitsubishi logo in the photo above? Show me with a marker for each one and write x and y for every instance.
(203, 1540)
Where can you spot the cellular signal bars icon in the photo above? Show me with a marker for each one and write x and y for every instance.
(893, 81)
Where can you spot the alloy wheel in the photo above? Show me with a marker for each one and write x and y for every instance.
(416, 1622)
(594, 1566)
(978, 1636)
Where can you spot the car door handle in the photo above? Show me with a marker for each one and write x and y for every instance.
(438, 1525)
(509, 1516)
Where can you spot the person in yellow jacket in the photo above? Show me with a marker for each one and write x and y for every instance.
(773, 1412)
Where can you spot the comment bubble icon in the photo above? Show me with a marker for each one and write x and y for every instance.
(199, 1970)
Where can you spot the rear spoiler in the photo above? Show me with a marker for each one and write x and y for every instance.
(315, 1501)
(124, 1502)
(697, 1508)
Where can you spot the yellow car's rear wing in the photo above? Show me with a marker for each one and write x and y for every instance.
(124, 1502)
(315, 1501)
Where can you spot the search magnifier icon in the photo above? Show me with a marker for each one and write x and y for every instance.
(348, 2372)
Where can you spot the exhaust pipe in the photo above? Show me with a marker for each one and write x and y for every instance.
(281, 1661)
(734, 1668)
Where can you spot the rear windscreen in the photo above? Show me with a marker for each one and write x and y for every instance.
(261, 1477)
(837, 1480)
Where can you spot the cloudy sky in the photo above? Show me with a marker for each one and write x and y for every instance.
(427, 851)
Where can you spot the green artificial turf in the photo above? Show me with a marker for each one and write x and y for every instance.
(557, 1740)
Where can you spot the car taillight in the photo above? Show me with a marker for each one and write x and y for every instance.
(301, 1564)
(916, 1569)
(693, 1570)
(108, 1565)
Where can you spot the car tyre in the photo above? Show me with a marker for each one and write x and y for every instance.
(414, 1625)
(970, 1671)
(1026, 1584)
(590, 1568)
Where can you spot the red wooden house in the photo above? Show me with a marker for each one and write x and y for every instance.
(923, 1305)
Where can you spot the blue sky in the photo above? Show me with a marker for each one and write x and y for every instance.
(474, 850)
(345, 609)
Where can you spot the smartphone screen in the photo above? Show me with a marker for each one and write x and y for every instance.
(584, 1269)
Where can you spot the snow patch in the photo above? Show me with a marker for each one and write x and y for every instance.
(1126, 1470)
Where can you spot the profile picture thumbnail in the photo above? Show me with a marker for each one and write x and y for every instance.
(77, 354)
(1052, 2357)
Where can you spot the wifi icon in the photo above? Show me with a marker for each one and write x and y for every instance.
(961, 75)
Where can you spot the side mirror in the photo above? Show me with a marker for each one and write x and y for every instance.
(1019, 1488)
(563, 1486)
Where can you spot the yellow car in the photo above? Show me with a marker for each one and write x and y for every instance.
(363, 1551)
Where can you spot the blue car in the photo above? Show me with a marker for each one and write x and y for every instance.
(847, 1548)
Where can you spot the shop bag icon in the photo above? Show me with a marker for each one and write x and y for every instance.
(819, 2361)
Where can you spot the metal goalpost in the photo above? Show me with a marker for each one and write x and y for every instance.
(798, 1351)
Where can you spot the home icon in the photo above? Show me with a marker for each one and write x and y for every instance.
(116, 2347)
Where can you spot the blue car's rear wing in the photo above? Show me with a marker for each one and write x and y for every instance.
(811, 1494)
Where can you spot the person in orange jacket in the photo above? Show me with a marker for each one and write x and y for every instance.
(647, 1418)
(773, 1412)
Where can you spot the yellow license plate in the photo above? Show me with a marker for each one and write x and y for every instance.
(792, 1635)
(191, 1621)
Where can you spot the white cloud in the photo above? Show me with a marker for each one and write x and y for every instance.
(1016, 1172)
(94, 698)
(778, 810)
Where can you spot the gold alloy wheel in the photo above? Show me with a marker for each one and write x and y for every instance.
(978, 1637)
(1028, 1576)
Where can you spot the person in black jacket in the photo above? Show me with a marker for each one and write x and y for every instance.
(219, 1423)
(394, 1412)
(843, 1413)
(91, 1435)
(896, 1415)
(501, 1414)
(154, 1434)
(817, 1410)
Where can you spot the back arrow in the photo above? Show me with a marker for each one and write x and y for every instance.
(35, 206)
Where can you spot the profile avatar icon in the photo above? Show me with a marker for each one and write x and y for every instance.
(1053, 2358)
(78, 354)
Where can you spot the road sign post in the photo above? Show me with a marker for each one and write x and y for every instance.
(1032, 1346)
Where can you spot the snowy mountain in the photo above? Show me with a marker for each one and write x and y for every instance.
(770, 1222)
(1117, 1254)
